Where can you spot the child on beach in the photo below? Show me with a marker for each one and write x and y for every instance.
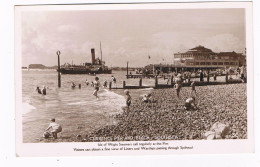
(128, 98)
(56, 128)
(105, 84)
(96, 86)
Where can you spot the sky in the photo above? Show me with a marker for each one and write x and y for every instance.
(128, 35)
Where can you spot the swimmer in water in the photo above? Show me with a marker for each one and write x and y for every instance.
(38, 90)
(73, 85)
(87, 83)
(44, 90)
(96, 86)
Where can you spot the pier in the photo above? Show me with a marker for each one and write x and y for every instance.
(172, 83)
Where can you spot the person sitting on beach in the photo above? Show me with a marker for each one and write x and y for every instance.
(190, 103)
(38, 90)
(113, 80)
(73, 85)
(105, 84)
(56, 128)
(128, 98)
(79, 86)
(96, 86)
(147, 98)
(44, 90)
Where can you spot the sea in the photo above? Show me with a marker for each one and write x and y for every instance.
(77, 110)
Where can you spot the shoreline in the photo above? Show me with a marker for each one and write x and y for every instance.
(166, 120)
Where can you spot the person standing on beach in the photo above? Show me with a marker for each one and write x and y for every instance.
(178, 84)
(113, 80)
(56, 128)
(193, 88)
(96, 86)
(128, 98)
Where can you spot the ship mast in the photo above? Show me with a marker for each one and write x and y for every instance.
(101, 52)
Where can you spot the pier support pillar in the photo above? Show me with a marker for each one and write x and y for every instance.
(226, 77)
(123, 84)
(208, 76)
(126, 70)
(156, 82)
(140, 82)
(110, 85)
(172, 80)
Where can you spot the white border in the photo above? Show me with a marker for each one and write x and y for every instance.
(201, 146)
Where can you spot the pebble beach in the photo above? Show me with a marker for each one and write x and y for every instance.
(165, 118)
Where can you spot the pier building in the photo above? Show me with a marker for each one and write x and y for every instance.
(205, 58)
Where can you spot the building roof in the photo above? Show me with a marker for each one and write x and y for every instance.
(200, 49)
(229, 54)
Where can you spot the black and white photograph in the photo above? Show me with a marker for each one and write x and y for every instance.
(140, 77)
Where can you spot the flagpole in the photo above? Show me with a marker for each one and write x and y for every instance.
(101, 51)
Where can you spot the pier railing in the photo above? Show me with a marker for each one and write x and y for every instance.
(171, 83)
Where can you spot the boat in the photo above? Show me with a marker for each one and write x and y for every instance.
(97, 66)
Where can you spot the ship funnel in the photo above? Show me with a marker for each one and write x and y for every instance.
(93, 55)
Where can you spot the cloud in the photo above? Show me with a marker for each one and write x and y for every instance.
(67, 28)
(225, 43)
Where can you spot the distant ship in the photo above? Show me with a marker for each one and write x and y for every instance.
(97, 66)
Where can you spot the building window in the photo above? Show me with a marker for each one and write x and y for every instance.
(220, 63)
(197, 63)
(214, 63)
(226, 63)
(208, 63)
(202, 63)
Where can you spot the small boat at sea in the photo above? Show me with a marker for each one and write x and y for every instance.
(97, 66)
